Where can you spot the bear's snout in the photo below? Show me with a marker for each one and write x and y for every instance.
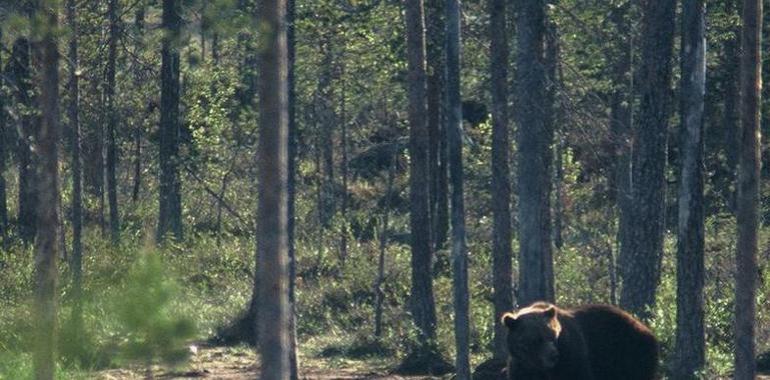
(549, 356)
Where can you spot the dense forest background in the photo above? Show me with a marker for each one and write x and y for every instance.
(571, 154)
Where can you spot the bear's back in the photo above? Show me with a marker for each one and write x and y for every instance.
(620, 347)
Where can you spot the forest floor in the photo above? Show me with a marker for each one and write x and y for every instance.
(239, 363)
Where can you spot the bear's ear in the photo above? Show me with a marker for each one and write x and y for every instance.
(550, 312)
(509, 320)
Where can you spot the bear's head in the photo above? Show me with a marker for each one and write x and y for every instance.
(532, 337)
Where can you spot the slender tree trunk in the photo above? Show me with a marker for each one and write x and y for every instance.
(748, 192)
(690, 348)
(558, 196)
(328, 119)
(3, 155)
(46, 58)
(170, 213)
(644, 252)
(534, 157)
(247, 44)
(552, 56)
(732, 118)
(112, 119)
(291, 185)
(20, 73)
(73, 112)
(102, 156)
(436, 58)
(139, 37)
(344, 169)
(459, 244)
(203, 28)
(501, 185)
(435, 30)
(621, 119)
(215, 49)
(551, 62)
(378, 291)
(137, 185)
(422, 302)
(272, 236)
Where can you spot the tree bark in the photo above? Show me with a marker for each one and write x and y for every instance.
(327, 120)
(73, 112)
(732, 118)
(344, 168)
(644, 251)
(534, 157)
(272, 154)
(621, 119)
(139, 37)
(3, 153)
(551, 61)
(378, 291)
(690, 347)
(46, 58)
(170, 212)
(291, 184)
(501, 185)
(422, 302)
(247, 43)
(439, 211)
(748, 192)
(552, 53)
(21, 76)
(215, 49)
(459, 244)
(112, 119)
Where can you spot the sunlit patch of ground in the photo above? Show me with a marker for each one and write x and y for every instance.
(240, 363)
(236, 363)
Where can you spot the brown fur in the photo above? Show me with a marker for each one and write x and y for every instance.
(595, 342)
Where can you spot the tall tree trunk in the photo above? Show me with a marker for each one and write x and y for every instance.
(644, 251)
(344, 169)
(534, 157)
(732, 118)
(328, 119)
(93, 156)
(203, 28)
(690, 348)
(215, 49)
(378, 285)
(3, 154)
(621, 119)
(291, 184)
(248, 71)
(551, 62)
(422, 302)
(73, 113)
(748, 192)
(272, 236)
(434, 17)
(112, 119)
(46, 58)
(501, 185)
(21, 76)
(170, 213)
(139, 37)
(459, 244)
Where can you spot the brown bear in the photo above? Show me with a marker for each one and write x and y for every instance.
(594, 342)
